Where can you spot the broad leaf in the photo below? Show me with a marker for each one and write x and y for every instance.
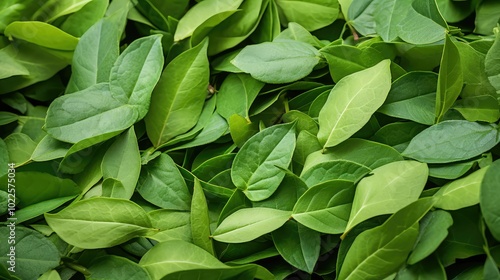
(249, 223)
(278, 62)
(100, 222)
(258, 167)
(389, 188)
(352, 102)
(177, 100)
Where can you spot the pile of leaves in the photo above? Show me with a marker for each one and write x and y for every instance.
(243, 139)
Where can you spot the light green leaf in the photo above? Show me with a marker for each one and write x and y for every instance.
(311, 14)
(388, 16)
(42, 34)
(200, 222)
(389, 188)
(325, 207)
(236, 95)
(277, 62)
(162, 184)
(96, 53)
(49, 148)
(201, 12)
(488, 199)
(380, 251)
(460, 193)
(332, 170)
(258, 167)
(483, 108)
(50, 275)
(100, 222)
(54, 9)
(173, 225)
(249, 223)
(419, 29)
(178, 99)
(433, 230)
(437, 144)
(450, 79)
(79, 22)
(352, 102)
(182, 260)
(121, 166)
(237, 27)
(355, 149)
(298, 245)
(76, 117)
(36, 187)
(136, 72)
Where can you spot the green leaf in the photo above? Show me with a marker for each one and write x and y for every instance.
(34, 253)
(20, 148)
(162, 184)
(487, 15)
(49, 148)
(298, 245)
(488, 199)
(42, 34)
(433, 230)
(236, 95)
(96, 53)
(285, 197)
(136, 72)
(355, 149)
(332, 170)
(182, 260)
(200, 222)
(269, 26)
(311, 15)
(29, 191)
(344, 60)
(390, 188)
(325, 207)
(237, 27)
(69, 117)
(460, 193)
(50, 275)
(173, 225)
(249, 223)
(492, 67)
(241, 130)
(389, 15)
(76, 117)
(258, 167)
(121, 166)
(38, 209)
(412, 97)
(277, 62)
(380, 251)
(200, 13)
(420, 29)
(54, 9)
(430, 268)
(464, 239)
(352, 102)
(177, 101)
(114, 267)
(479, 108)
(437, 144)
(100, 222)
(79, 22)
(450, 79)
(4, 157)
